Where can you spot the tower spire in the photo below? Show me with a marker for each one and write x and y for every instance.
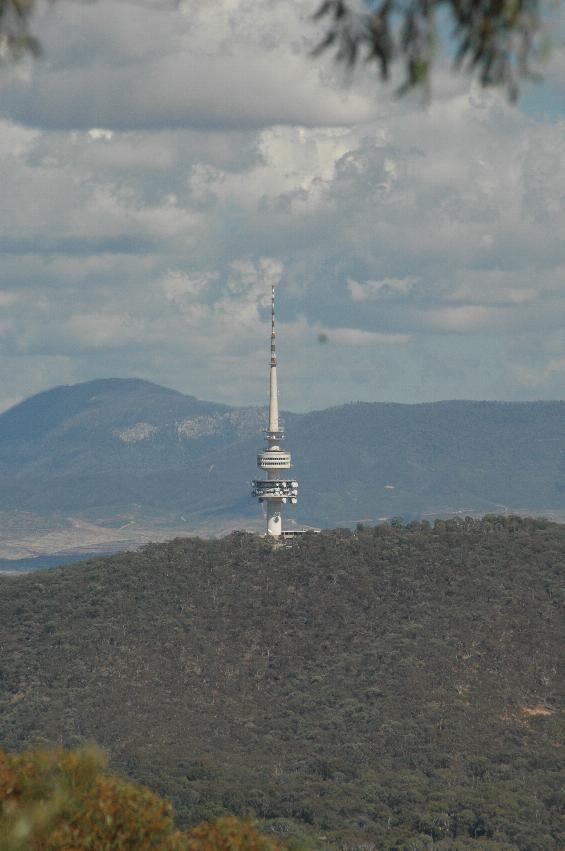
(274, 393)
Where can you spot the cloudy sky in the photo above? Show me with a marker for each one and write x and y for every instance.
(160, 168)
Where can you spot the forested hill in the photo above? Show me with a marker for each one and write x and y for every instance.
(378, 689)
(105, 446)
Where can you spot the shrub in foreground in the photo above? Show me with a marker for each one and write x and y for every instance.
(57, 800)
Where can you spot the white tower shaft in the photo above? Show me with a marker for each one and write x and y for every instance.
(274, 523)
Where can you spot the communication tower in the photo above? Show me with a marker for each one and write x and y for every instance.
(274, 491)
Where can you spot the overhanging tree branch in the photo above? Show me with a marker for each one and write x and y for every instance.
(496, 40)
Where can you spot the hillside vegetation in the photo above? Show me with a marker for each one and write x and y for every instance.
(105, 446)
(55, 800)
(384, 689)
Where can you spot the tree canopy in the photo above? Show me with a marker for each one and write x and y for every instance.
(15, 35)
(498, 40)
(387, 688)
(57, 800)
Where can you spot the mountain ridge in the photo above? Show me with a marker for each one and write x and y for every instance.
(113, 446)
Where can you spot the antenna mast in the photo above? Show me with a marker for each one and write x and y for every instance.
(274, 393)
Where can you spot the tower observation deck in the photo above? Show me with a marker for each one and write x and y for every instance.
(275, 490)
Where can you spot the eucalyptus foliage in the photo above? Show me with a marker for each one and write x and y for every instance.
(497, 40)
(16, 39)
(58, 800)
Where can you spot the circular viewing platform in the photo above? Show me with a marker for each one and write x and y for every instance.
(273, 459)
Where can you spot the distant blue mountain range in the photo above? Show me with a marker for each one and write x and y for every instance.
(111, 443)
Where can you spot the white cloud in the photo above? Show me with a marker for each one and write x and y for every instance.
(177, 285)
(99, 330)
(98, 133)
(386, 288)
(425, 244)
(213, 66)
(357, 337)
(464, 319)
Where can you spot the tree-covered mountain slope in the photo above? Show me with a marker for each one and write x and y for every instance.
(114, 442)
(384, 689)
(109, 444)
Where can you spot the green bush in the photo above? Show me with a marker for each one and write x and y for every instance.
(57, 800)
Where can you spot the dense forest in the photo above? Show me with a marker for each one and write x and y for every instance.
(394, 687)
